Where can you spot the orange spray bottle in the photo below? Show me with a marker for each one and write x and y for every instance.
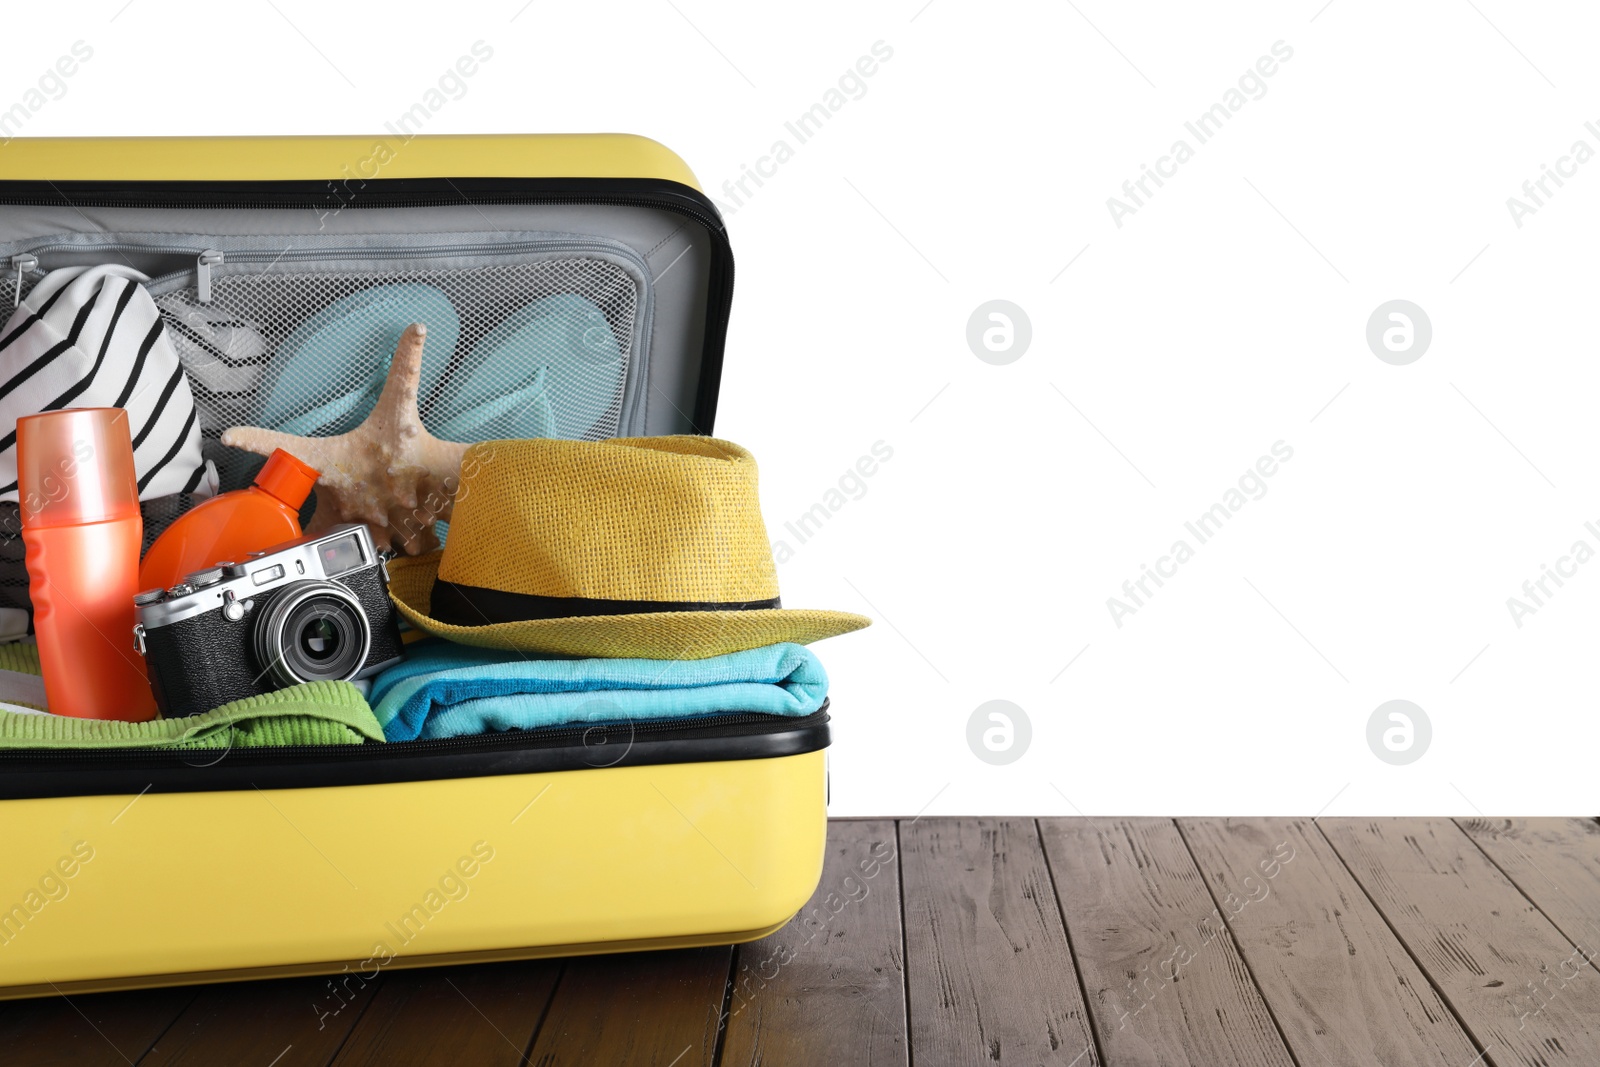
(230, 526)
(81, 529)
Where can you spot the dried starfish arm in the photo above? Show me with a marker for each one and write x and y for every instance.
(389, 472)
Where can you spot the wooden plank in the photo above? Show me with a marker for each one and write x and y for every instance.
(86, 1031)
(829, 988)
(301, 1021)
(1342, 987)
(643, 1009)
(1556, 864)
(482, 1014)
(989, 969)
(1487, 949)
(1164, 979)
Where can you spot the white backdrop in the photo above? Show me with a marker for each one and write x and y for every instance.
(968, 155)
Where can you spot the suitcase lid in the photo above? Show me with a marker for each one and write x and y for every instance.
(262, 193)
(192, 159)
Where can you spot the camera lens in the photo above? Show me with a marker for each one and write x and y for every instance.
(312, 631)
(319, 639)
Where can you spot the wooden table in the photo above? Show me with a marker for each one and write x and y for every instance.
(973, 942)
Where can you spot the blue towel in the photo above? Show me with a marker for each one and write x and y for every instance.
(449, 690)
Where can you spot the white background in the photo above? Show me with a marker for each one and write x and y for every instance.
(1227, 314)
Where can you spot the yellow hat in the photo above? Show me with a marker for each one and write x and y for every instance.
(649, 547)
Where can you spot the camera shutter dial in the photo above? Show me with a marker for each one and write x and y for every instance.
(203, 578)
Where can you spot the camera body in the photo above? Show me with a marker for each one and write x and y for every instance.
(313, 609)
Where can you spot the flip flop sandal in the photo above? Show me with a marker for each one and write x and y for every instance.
(522, 412)
(560, 347)
(345, 349)
(223, 354)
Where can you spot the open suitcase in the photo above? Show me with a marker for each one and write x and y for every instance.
(128, 868)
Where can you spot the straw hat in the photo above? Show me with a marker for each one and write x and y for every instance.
(649, 547)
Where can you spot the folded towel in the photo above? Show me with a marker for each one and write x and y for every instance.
(20, 656)
(21, 685)
(318, 713)
(448, 690)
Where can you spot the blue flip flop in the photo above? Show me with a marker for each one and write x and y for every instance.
(346, 347)
(517, 413)
(552, 368)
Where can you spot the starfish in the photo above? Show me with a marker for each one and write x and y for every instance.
(389, 472)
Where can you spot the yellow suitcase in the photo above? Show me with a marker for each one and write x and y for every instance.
(126, 868)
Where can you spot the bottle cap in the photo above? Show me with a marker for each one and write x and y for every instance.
(75, 467)
(287, 478)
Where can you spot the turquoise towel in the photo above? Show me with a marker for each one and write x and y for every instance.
(449, 690)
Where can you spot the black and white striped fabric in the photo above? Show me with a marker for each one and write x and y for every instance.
(89, 337)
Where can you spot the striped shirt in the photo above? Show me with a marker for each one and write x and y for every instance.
(89, 337)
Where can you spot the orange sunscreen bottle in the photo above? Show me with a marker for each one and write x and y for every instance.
(228, 527)
(81, 530)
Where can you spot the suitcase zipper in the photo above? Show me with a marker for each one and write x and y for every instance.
(206, 259)
(586, 735)
(377, 193)
(37, 773)
(202, 273)
(23, 264)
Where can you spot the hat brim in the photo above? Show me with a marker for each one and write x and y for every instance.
(650, 635)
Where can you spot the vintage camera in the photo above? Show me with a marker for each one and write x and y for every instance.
(313, 609)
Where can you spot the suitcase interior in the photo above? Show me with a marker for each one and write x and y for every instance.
(127, 867)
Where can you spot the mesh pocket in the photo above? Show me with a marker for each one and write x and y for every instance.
(514, 350)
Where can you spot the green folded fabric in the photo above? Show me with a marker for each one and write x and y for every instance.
(317, 713)
(20, 656)
(20, 684)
